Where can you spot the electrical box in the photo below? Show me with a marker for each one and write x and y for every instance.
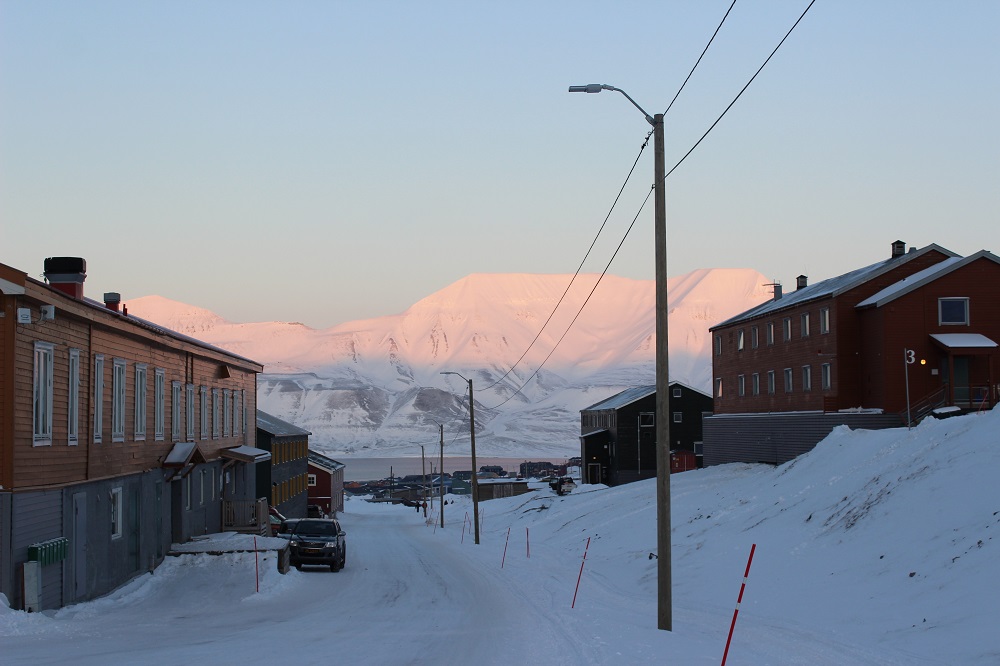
(23, 316)
(31, 579)
(48, 312)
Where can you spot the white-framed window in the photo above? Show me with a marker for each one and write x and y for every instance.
(740, 339)
(755, 383)
(804, 331)
(98, 397)
(187, 491)
(807, 378)
(770, 382)
(42, 413)
(312, 481)
(216, 415)
(788, 380)
(953, 311)
(227, 413)
(770, 332)
(718, 387)
(116, 512)
(718, 345)
(73, 404)
(243, 410)
(786, 329)
(826, 376)
(824, 320)
(741, 385)
(754, 337)
(677, 391)
(204, 412)
(237, 412)
(140, 401)
(678, 417)
(175, 411)
(159, 403)
(190, 412)
(118, 401)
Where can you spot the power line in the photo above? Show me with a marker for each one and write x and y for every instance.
(697, 62)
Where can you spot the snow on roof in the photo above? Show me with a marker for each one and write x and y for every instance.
(325, 462)
(960, 340)
(275, 426)
(180, 454)
(920, 278)
(246, 454)
(833, 286)
(626, 397)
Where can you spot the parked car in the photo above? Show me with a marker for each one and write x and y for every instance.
(315, 541)
(563, 485)
(276, 519)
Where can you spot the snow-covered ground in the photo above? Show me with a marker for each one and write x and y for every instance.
(875, 548)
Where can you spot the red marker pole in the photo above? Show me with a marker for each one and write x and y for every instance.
(527, 542)
(746, 574)
(504, 558)
(256, 563)
(580, 575)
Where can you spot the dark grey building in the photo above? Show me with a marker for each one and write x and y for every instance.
(285, 482)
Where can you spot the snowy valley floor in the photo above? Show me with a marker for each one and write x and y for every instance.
(875, 548)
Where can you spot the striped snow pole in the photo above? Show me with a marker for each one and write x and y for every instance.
(739, 600)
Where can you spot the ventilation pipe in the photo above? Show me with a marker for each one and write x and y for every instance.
(898, 249)
(112, 299)
(66, 274)
(801, 282)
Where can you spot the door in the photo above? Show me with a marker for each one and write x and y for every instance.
(79, 545)
(962, 393)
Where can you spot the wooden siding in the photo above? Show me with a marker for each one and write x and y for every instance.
(38, 517)
(8, 311)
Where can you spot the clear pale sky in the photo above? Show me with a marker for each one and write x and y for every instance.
(329, 161)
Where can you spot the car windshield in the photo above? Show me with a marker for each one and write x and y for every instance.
(316, 528)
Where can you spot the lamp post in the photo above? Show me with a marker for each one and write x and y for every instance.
(664, 610)
(472, 436)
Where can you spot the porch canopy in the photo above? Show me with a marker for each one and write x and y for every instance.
(969, 344)
(964, 341)
(246, 454)
(182, 458)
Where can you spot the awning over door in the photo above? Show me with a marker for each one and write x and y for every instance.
(963, 341)
(246, 454)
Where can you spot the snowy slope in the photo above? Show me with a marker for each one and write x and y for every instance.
(369, 387)
(874, 548)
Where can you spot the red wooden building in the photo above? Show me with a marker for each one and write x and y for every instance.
(836, 352)
(326, 483)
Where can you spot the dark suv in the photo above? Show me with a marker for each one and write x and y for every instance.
(315, 541)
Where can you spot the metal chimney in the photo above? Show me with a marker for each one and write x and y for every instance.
(112, 299)
(801, 282)
(898, 249)
(66, 274)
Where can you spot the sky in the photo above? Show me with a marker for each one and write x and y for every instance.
(324, 162)
(875, 548)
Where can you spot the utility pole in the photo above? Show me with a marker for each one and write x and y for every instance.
(441, 474)
(423, 472)
(475, 476)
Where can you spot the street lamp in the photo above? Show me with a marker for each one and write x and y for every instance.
(472, 435)
(440, 473)
(664, 614)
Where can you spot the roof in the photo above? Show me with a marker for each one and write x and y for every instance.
(275, 426)
(833, 286)
(320, 460)
(963, 340)
(921, 278)
(626, 397)
(246, 454)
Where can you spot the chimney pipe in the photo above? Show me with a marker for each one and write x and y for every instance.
(112, 299)
(801, 282)
(898, 249)
(66, 274)
(775, 289)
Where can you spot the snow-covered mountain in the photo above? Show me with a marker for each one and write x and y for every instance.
(374, 387)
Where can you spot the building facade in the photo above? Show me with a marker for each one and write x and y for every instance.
(326, 483)
(285, 481)
(114, 434)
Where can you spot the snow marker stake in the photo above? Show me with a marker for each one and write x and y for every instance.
(256, 564)
(502, 559)
(527, 542)
(736, 612)
(580, 575)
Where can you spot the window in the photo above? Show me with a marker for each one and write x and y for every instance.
(175, 411)
(718, 345)
(118, 401)
(201, 487)
(216, 416)
(159, 388)
(740, 340)
(788, 380)
(953, 311)
(804, 332)
(786, 329)
(190, 412)
(98, 397)
(678, 417)
(741, 385)
(116, 513)
(755, 383)
(647, 419)
(227, 413)
(140, 401)
(770, 332)
(237, 412)
(718, 388)
(312, 480)
(807, 379)
(677, 391)
(826, 376)
(211, 485)
(770, 382)
(824, 320)
(204, 412)
(73, 419)
(42, 416)
(187, 490)
(754, 337)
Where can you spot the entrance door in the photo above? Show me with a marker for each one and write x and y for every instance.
(962, 393)
(79, 545)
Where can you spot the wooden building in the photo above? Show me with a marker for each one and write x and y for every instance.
(872, 348)
(285, 481)
(326, 483)
(618, 435)
(117, 438)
